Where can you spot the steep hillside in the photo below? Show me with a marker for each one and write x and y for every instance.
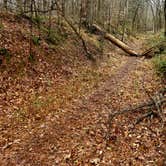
(54, 76)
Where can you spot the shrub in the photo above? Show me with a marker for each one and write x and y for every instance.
(37, 19)
(160, 65)
(155, 39)
(56, 38)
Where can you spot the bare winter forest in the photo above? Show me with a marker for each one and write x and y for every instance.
(82, 82)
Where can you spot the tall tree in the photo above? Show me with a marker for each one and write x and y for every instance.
(165, 16)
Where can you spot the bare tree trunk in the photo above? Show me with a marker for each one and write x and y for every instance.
(19, 6)
(31, 30)
(50, 20)
(135, 15)
(154, 19)
(5, 4)
(165, 16)
(63, 7)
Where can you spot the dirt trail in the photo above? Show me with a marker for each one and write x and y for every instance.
(78, 134)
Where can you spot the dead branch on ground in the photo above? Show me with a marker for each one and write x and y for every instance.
(154, 107)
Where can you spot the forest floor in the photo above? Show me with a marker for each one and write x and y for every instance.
(60, 115)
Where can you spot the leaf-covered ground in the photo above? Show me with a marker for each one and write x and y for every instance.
(54, 110)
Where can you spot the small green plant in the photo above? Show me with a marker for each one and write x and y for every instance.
(1, 26)
(31, 57)
(5, 53)
(37, 19)
(51, 39)
(160, 65)
(36, 40)
(55, 37)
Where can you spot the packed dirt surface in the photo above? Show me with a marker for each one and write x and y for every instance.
(53, 115)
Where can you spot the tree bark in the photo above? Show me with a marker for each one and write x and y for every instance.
(165, 17)
(5, 5)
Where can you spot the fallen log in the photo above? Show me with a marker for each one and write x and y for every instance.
(121, 44)
(115, 41)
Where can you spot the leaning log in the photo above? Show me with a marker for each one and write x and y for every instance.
(115, 41)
